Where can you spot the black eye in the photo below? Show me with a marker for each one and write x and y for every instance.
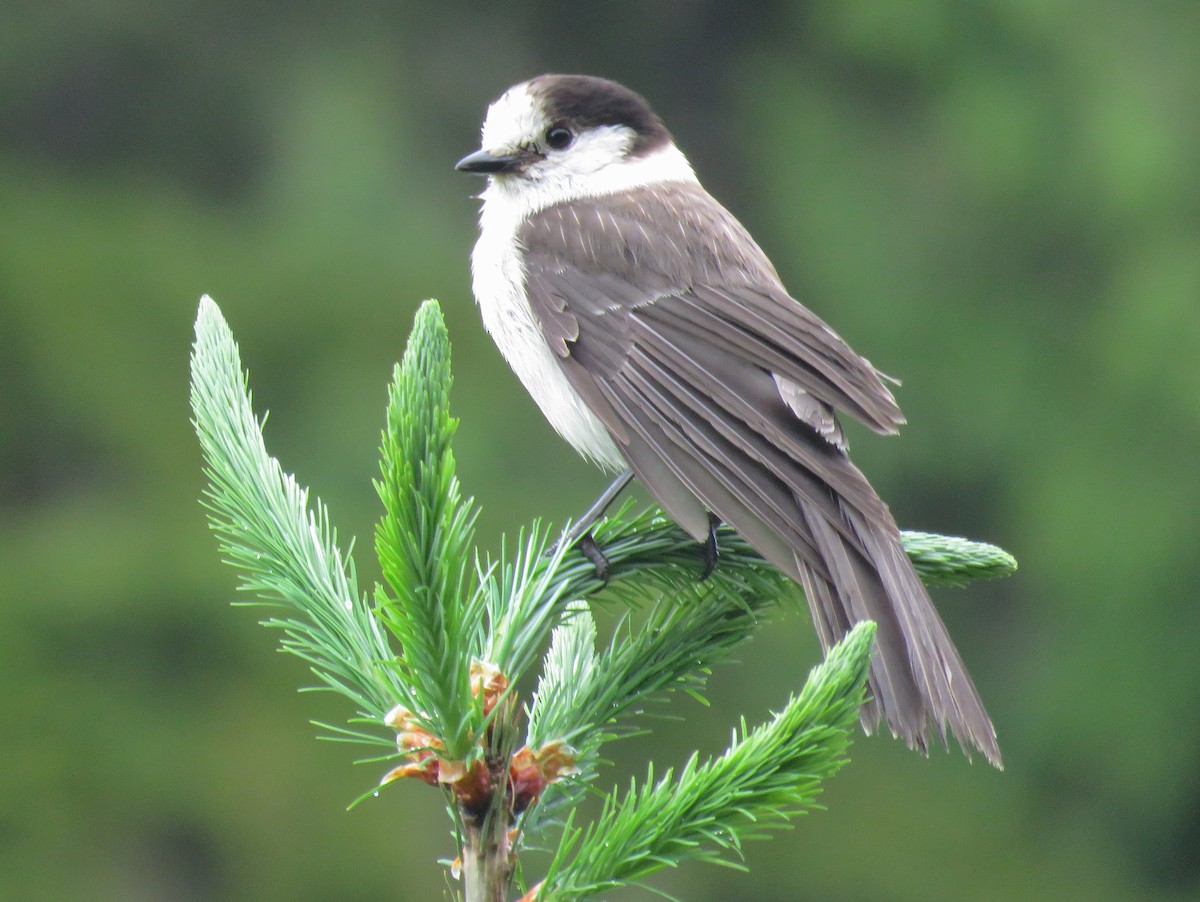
(558, 137)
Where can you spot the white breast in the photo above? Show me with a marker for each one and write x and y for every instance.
(498, 280)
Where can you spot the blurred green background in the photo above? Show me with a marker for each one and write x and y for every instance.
(998, 202)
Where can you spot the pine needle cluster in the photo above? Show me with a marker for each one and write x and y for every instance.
(432, 659)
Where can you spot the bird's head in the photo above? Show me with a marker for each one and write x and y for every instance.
(567, 136)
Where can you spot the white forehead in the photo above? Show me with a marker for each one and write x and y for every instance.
(513, 120)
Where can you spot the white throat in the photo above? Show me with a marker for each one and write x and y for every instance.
(498, 277)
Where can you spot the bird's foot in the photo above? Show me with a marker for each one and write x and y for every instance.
(709, 548)
(590, 550)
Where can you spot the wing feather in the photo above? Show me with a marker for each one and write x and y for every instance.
(689, 350)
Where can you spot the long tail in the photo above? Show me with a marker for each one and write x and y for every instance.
(853, 567)
(917, 679)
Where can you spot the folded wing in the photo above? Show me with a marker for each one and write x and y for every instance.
(722, 391)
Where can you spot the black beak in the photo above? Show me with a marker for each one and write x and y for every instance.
(483, 163)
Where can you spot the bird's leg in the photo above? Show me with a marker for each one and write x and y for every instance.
(709, 547)
(584, 524)
(581, 531)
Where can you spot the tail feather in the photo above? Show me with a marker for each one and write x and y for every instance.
(917, 678)
(852, 593)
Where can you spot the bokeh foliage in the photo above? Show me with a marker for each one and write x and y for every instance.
(998, 202)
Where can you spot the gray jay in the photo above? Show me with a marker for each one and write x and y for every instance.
(656, 337)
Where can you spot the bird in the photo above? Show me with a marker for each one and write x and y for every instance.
(658, 339)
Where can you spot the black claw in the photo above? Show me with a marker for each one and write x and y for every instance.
(709, 548)
(590, 550)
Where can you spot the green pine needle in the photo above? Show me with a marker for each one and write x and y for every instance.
(425, 541)
(632, 543)
(448, 608)
(704, 812)
(586, 699)
(524, 599)
(951, 561)
(285, 549)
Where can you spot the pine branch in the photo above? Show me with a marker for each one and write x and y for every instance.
(285, 549)
(586, 699)
(524, 598)
(952, 561)
(634, 544)
(766, 776)
(468, 629)
(425, 543)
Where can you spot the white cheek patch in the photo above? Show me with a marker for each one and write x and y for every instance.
(590, 152)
